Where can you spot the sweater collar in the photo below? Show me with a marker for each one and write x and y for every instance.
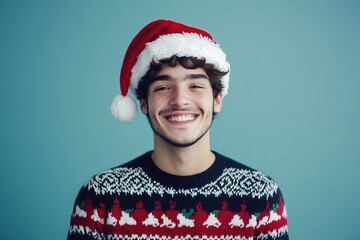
(184, 182)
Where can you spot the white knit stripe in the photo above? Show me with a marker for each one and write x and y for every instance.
(232, 182)
(182, 45)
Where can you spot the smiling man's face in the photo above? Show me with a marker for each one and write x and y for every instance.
(180, 105)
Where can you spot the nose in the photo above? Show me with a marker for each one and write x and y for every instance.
(179, 97)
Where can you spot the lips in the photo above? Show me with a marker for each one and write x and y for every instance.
(181, 118)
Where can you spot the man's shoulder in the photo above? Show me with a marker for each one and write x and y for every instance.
(232, 163)
(110, 178)
(131, 164)
(255, 181)
(134, 163)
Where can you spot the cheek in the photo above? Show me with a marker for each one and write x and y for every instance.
(209, 102)
(154, 105)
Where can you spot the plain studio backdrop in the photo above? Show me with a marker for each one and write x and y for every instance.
(292, 110)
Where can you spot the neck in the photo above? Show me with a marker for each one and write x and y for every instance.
(183, 161)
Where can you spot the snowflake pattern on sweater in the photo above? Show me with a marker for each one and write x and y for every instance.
(139, 201)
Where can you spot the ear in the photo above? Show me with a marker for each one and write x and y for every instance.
(144, 106)
(218, 102)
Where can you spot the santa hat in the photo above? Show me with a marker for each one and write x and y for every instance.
(159, 40)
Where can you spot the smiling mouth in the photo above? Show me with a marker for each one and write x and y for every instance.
(181, 118)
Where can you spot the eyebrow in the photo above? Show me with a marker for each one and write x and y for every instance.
(187, 77)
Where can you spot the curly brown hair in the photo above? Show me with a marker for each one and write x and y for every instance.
(187, 62)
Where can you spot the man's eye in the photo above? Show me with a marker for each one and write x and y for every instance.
(196, 86)
(163, 88)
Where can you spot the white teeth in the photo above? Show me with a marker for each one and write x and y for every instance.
(182, 118)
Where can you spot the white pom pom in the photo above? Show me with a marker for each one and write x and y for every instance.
(123, 108)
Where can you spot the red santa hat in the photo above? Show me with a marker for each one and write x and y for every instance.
(159, 40)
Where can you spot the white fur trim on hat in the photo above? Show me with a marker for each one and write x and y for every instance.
(181, 45)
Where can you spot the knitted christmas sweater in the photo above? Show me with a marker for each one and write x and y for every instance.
(137, 200)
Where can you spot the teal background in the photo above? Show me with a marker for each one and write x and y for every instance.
(292, 110)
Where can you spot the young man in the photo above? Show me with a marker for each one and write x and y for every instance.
(181, 189)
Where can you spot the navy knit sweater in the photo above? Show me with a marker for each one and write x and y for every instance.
(137, 200)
